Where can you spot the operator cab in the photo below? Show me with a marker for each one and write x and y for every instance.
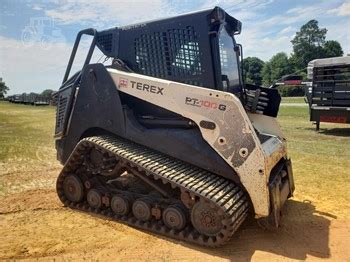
(197, 49)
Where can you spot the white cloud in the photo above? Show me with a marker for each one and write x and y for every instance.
(302, 14)
(341, 33)
(264, 47)
(287, 30)
(33, 69)
(105, 12)
(37, 8)
(342, 10)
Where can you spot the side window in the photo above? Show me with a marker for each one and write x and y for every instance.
(228, 62)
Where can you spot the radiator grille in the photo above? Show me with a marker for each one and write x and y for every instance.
(61, 109)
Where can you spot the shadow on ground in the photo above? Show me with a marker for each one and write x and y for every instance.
(304, 232)
(345, 132)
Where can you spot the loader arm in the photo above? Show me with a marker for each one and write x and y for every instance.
(223, 123)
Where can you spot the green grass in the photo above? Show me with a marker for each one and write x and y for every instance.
(24, 130)
(321, 160)
(293, 100)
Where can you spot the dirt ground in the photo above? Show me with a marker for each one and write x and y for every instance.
(34, 224)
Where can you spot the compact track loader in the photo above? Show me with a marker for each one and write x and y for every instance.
(167, 138)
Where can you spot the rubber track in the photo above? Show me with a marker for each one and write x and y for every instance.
(220, 192)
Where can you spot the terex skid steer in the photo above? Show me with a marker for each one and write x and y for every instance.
(167, 138)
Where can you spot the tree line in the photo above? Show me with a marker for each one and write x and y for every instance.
(309, 43)
(46, 94)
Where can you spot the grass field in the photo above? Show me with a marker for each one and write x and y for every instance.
(321, 162)
(293, 100)
(26, 145)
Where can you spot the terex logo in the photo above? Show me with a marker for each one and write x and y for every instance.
(204, 103)
(148, 88)
(123, 82)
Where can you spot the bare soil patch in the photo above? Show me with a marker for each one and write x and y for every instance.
(36, 225)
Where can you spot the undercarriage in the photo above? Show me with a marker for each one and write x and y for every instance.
(127, 182)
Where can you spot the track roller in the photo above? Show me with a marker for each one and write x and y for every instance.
(94, 198)
(121, 205)
(174, 217)
(142, 209)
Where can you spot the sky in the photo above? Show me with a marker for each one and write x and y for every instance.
(33, 62)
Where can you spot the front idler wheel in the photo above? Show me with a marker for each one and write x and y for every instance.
(73, 188)
(206, 219)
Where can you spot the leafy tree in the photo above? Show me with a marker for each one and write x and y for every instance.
(252, 67)
(3, 89)
(278, 66)
(47, 93)
(309, 34)
(291, 90)
(332, 48)
(266, 74)
(310, 43)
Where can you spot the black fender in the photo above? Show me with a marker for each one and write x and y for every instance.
(97, 105)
